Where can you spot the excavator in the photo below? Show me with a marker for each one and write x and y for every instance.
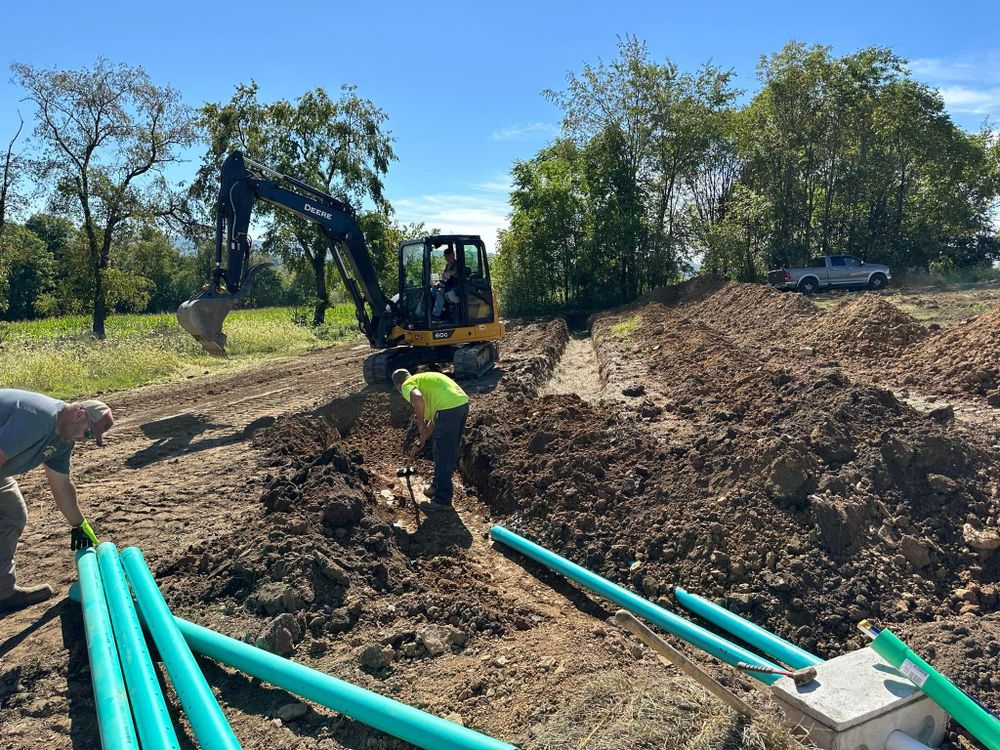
(402, 327)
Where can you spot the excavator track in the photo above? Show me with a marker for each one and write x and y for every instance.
(475, 360)
(468, 361)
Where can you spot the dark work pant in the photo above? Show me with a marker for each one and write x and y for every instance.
(448, 427)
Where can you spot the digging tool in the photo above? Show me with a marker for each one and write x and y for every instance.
(802, 676)
(670, 654)
(407, 472)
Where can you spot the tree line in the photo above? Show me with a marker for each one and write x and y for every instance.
(658, 172)
(107, 230)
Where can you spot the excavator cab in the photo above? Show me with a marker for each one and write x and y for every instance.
(447, 311)
(444, 284)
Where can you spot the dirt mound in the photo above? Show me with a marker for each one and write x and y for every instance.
(528, 355)
(865, 326)
(325, 551)
(693, 290)
(805, 525)
(965, 649)
(963, 359)
(672, 364)
(754, 312)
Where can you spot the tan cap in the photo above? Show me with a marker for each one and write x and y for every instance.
(100, 417)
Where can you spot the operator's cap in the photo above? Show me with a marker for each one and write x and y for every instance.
(100, 417)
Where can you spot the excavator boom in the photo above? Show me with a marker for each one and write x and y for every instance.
(203, 315)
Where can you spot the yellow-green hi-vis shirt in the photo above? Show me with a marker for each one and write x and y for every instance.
(439, 391)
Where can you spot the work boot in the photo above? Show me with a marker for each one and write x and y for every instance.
(429, 491)
(25, 597)
(430, 507)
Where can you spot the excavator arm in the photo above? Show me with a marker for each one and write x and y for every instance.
(203, 315)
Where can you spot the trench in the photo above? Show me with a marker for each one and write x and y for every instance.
(577, 371)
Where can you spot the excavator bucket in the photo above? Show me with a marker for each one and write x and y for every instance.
(202, 317)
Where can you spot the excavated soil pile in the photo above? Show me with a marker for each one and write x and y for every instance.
(667, 361)
(528, 354)
(865, 326)
(965, 649)
(963, 359)
(754, 312)
(805, 525)
(691, 291)
(325, 551)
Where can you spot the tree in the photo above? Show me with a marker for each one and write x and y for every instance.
(337, 146)
(852, 155)
(106, 134)
(27, 274)
(67, 246)
(11, 171)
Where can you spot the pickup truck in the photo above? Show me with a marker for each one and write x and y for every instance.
(831, 272)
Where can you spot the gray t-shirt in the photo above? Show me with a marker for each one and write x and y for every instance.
(28, 433)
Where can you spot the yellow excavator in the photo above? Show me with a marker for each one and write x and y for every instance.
(404, 327)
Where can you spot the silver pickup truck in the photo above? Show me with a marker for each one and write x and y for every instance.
(831, 272)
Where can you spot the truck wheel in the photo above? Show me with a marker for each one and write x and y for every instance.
(809, 286)
(877, 281)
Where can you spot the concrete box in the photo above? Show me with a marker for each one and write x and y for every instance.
(856, 701)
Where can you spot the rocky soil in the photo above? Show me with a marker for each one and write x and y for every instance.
(738, 442)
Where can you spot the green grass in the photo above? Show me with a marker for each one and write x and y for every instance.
(58, 356)
(625, 329)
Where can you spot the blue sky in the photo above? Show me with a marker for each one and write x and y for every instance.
(462, 81)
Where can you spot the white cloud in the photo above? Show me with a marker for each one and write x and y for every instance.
(519, 132)
(981, 68)
(972, 101)
(483, 210)
(968, 84)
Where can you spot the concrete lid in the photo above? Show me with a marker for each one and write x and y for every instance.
(848, 690)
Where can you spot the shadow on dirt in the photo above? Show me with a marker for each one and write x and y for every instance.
(173, 437)
(437, 533)
(17, 639)
(583, 602)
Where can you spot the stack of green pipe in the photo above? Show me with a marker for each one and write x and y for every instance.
(397, 719)
(151, 716)
(207, 720)
(114, 717)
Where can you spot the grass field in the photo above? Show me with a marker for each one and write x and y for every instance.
(59, 357)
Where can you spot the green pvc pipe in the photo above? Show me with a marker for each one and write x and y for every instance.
(941, 690)
(402, 721)
(114, 717)
(207, 720)
(761, 639)
(152, 719)
(687, 631)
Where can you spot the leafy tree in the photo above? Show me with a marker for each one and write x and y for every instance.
(106, 132)
(150, 255)
(26, 274)
(337, 146)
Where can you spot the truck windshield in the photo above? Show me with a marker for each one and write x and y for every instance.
(819, 262)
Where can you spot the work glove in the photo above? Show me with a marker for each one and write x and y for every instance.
(82, 536)
(79, 540)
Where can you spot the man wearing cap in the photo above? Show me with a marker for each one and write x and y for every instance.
(37, 430)
(441, 407)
